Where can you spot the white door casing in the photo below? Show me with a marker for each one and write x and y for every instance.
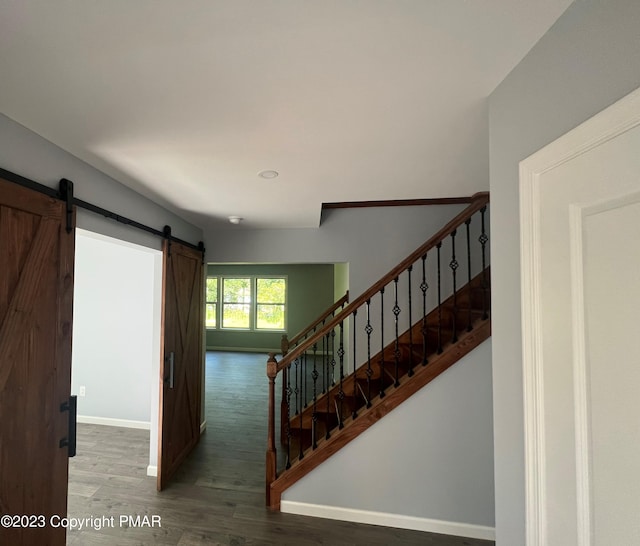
(580, 241)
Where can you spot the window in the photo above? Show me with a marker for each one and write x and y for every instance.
(270, 301)
(236, 303)
(212, 302)
(246, 303)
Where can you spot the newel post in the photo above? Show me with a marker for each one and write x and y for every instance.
(272, 473)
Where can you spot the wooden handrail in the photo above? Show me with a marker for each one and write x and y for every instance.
(344, 299)
(478, 201)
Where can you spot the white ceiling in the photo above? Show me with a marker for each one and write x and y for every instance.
(186, 101)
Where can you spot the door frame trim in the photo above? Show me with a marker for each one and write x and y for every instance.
(615, 120)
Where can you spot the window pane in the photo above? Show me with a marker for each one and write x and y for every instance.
(212, 290)
(211, 315)
(235, 315)
(270, 317)
(271, 290)
(237, 290)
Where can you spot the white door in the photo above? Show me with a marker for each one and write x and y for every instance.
(580, 239)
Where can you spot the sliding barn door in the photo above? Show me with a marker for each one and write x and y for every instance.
(36, 295)
(183, 358)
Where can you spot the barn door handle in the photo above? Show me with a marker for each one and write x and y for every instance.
(171, 368)
(70, 441)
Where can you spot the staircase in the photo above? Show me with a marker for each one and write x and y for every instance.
(422, 319)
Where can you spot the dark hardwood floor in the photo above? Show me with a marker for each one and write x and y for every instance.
(217, 497)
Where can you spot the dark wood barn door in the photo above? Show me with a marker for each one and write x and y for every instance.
(183, 358)
(36, 304)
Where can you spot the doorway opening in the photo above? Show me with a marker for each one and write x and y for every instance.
(117, 339)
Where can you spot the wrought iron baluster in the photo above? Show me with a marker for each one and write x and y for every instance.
(382, 342)
(483, 241)
(368, 329)
(396, 348)
(354, 414)
(340, 387)
(453, 264)
(469, 318)
(300, 451)
(327, 435)
(438, 247)
(423, 288)
(333, 356)
(324, 371)
(304, 379)
(314, 414)
(288, 424)
(296, 390)
(410, 372)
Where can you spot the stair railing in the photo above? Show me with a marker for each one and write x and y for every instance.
(287, 344)
(366, 315)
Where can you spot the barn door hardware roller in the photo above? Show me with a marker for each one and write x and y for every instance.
(167, 235)
(66, 193)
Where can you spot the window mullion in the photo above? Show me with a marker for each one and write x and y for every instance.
(254, 303)
(218, 303)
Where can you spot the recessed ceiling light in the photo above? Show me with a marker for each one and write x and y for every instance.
(268, 174)
(235, 219)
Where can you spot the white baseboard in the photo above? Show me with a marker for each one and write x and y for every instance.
(152, 471)
(389, 520)
(203, 426)
(127, 423)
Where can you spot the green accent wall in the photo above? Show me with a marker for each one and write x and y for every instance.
(340, 286)
(310, 290)
(340, 280)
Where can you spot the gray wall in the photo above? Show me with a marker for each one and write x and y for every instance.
(309, 293)
(588, 60)
(28, 154)
(432, 457)
(371, 240)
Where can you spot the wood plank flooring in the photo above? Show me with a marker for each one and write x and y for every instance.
(217, 497)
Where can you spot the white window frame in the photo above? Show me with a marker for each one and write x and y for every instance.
(216, 303)
(252, 304)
